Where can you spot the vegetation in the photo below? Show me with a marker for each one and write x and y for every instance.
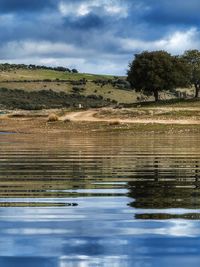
(52, 117)
(78, 88)
(46, 99)
(27, 75)
(111, 89)
(153, 72)
(39, 124)
(192, 58)
(9, 67)
(151, 113)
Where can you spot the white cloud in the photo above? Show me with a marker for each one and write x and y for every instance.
(28, 48)
(109, 7)
(62, 54)
(82, 64)
(86, 59)
(74, 9)
(175, 43)
(58, 53)
(116, 9)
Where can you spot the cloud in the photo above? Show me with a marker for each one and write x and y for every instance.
(175, 43)
(170, 12)
(14, 6)
(90, 21)
(83, 8)
(61, 54)
(31, 48)
(95, 35)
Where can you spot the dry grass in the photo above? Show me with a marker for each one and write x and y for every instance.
(53, 118)
(4, 117)
(108, 91)
(40, 126)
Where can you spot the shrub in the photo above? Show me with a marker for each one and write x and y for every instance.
(74, 71)
(113, 123)
(67, 120)
(76, 89)
(52, 118)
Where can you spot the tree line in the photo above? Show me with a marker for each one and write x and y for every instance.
(157, 71)
(7, 67)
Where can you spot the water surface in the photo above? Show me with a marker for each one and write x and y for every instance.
(103, 199)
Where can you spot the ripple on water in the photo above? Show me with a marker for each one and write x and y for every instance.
(99, 200)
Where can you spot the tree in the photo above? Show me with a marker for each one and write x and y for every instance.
(153, 72)
(192, 57)
(74, 71)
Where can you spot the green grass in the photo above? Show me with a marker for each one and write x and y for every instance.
(21, 74)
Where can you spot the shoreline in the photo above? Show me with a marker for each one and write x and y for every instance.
(101, 120)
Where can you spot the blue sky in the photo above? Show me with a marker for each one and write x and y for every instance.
(96, 36)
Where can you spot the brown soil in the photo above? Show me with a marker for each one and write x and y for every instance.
(92, 116)
(88, 121)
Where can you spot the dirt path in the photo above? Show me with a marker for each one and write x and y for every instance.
(90, 116)
(82, 116)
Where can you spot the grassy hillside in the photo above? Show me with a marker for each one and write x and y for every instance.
(66, 89)
(57, 81)
(41, 74)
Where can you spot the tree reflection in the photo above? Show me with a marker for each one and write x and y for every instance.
(161, 188)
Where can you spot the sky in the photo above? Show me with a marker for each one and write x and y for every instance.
(95, 36)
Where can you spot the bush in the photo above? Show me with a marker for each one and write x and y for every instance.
(67, 120)
(52, 118)
(76, 89)
(113, 123)
(74, 71)
(49, 99)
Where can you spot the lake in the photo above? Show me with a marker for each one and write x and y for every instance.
(99, 199)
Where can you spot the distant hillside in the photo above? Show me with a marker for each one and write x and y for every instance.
(23, 72)
(7, 67)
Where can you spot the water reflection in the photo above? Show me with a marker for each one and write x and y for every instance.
(100, 200)
(167, 184)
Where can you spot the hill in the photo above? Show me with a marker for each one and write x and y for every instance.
(38, 88)
(45, 88)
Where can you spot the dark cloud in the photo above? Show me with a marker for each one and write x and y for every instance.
(85, 23)
(14, 6)
(172, 12)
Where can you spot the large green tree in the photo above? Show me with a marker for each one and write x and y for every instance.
(192, 57)
(157, 71)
